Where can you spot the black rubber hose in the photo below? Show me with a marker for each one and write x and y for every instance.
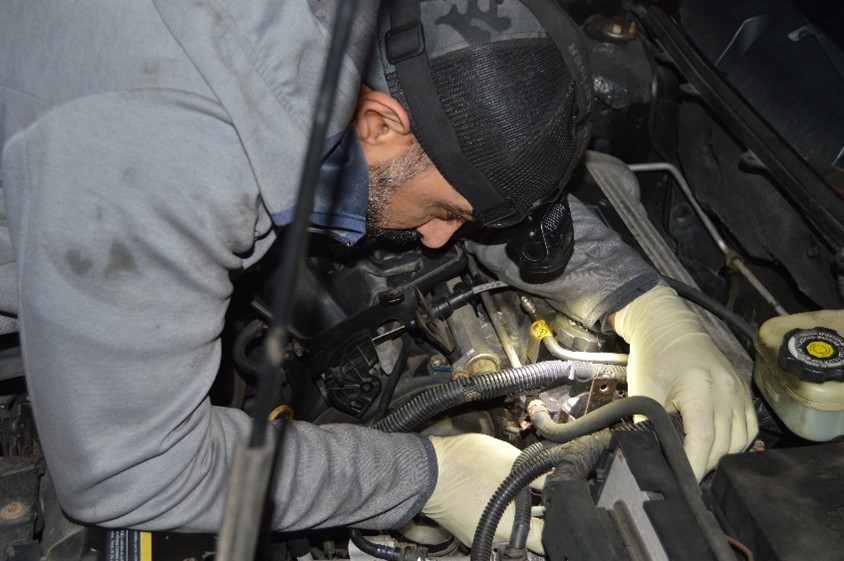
(393, 380)
(539, 463)
(247, 365)
(521, 519)
(375, 549)
(434, 401)
(765, 416)
(521, 524)
(731, 318)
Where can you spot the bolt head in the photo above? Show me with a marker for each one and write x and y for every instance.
(12, 510)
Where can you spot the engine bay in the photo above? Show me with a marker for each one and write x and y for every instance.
(712, 166)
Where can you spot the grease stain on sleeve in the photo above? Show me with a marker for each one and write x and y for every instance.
(79, 264)
(120, 261)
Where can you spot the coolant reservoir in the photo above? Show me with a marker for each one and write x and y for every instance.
(799, 369)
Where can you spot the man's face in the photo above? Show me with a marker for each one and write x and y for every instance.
(409, 199)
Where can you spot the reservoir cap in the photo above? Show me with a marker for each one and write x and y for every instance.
(815, 354)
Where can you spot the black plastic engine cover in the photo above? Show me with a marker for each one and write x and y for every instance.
(785, 505)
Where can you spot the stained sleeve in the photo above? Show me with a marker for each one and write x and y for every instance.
(127, 213)
(604, 273)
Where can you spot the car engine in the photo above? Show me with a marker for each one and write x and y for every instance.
(717, 154)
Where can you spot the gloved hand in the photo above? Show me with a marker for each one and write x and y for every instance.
(471, 467)
(673, 360)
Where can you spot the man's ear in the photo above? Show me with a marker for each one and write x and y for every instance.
(379, 119)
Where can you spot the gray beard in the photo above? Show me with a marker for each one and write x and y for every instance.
(384, 179)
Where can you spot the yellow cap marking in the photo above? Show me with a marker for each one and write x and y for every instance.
(540, 330)
(820, 349)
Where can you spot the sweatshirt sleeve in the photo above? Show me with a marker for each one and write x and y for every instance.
(127, 213)
(603, 275)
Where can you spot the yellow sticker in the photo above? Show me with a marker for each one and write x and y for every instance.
(820, 349)
(540, 330)
(146, 546)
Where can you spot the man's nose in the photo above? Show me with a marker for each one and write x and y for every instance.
(436, 233)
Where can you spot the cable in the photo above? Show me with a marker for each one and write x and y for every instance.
(436, 400)
(442, 308)
(741, 547)
(733, 258)
(712, 305)
(393, 380)
(517, 545)
(521, 525)
(487, 286)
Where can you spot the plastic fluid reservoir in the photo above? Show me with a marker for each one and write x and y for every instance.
(799, 369)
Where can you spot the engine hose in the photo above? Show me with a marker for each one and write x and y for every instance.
(249, 367)
(390, 388)
(436, 400)
(538, 463)
(521, 525)
(375, 549)
(521, 518)
(734, 320)
(390, 553)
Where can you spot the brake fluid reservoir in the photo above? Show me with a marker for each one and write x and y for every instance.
(799, 369)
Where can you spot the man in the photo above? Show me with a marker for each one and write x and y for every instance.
(151, 148)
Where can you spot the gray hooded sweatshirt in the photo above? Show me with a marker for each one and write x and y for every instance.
(149, 148)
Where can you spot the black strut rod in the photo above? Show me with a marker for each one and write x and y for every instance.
(253, 463)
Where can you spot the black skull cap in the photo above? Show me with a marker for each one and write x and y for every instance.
(499, 101)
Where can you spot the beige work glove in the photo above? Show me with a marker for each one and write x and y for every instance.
(471, 467)
(673, 360)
